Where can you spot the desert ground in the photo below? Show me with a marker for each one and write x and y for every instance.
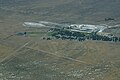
(32, 58)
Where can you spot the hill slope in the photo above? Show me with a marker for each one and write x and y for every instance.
(87, 11)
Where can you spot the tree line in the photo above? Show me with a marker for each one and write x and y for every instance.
(80, 36)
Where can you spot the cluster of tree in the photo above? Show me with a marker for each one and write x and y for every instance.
(105, 38)
(109, 19)
(48, 38)
(64, 34)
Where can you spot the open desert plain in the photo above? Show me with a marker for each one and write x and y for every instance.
(32, 54)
